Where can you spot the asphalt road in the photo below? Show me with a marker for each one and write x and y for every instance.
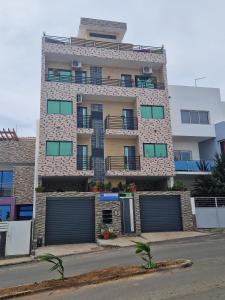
(204, 280)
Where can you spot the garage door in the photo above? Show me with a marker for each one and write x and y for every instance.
(70, 220)
(160, 213)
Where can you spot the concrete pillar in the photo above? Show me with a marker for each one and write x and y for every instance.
(170, 182)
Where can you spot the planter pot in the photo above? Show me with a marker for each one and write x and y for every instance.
(106, 235)
(133, 189)
(94, 189)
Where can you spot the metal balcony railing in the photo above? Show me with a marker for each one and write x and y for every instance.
(99, 44)
(121, 122)
(84, 163)
(122, 163)
(103, 81)
(84, 121)
(194, 165)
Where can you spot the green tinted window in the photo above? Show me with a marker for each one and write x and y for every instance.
(66, 107)
(157, 112)
(152, 112)
(53, 107)
(149, 150)
(65, 148)
(52, 148)
(146, 111)
(160, 150)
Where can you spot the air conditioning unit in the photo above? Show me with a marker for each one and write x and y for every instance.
(147, 70)
(76, 64)
(79, 98)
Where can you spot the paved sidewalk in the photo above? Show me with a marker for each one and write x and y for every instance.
(68, 249)
(149, 237)
(15, 260)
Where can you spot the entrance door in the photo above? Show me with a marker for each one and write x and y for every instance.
(2, 244)
(82, 121)
(129, 158)
(128, 119)
(82, 157)
(127, 212)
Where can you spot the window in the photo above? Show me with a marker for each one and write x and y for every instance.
(155, 150)
(102, 35)
(194, 117)
(182, 155)
(107, 216)
(24, 212)
(60, 107)
(5, 212)
(55, 148)
(96, 75)
(6, 183)
(80, 76)
(126, 80)
(145, 81)
(152, 112)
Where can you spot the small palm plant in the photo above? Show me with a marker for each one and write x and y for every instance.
(56, 261)
(145, 251)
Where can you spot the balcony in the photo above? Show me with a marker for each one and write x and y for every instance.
(122, 163)
(148, 84)
(84, 121)
(121, 122)
(105, 45)
(203, 166)
(84, 163)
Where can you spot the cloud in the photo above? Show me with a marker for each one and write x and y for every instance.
(191, 31)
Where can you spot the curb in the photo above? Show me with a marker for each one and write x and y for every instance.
(95, 277)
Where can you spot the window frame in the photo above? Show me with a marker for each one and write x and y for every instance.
(190, 118)
(3, 185)
(151, 107)
(180, 154)
(59, 148)
(154, 146)
(60, 109)
(102, 35)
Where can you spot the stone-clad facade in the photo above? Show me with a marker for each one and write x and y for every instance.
(19, 157)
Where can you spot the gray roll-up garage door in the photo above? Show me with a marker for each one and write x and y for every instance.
(70, 220)
(160, 213)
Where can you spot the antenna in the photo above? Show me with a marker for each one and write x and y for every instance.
(199, 78)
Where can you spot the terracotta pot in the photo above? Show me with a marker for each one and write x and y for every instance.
(94, 189)
(133, 189)
(106, 235)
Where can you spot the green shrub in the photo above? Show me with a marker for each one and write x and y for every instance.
(56, 261)
(145, 251)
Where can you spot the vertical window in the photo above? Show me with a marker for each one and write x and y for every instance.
(60, 107)
(204, 117)
(194, 117)
(107, 216)
(155, 150)
(96, 75)
(185, 116)
(62, 148)
(5, 211)
(152, 112)
(6, 183)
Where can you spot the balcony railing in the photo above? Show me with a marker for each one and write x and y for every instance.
(99, 44)
(121, 122)
(84, 163)
(194, 165)
(122, 163)
(104, 81)
(84, 121)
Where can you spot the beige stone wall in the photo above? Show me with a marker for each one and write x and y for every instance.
(23, 184)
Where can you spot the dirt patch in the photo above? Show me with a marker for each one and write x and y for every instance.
(95, 277)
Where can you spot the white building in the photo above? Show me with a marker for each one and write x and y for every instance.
(198, 128)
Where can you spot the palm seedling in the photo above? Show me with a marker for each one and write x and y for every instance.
(145, 251)
(56, 261)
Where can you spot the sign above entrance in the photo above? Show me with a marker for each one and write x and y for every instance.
(109, 197)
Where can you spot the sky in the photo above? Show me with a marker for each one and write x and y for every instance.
(192, 32)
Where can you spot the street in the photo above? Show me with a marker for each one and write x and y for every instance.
(204, 280)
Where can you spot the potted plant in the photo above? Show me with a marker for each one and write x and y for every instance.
(105, 232)
(93, 187)
(132, 187)
(108, 186)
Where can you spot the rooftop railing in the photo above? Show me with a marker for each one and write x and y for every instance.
(99, 44)
(103, 81)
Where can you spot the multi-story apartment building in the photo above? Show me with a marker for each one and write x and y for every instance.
(104, 117)
(198, 129)
(17, 159)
